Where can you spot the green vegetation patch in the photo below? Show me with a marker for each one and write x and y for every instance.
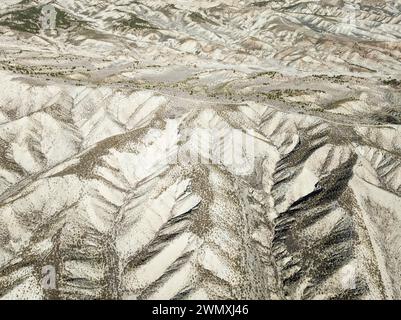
(28, 20)
(278, 94)
(198, 18)
(270, 74)
(134, 22)
(392, 82)
(260, 4)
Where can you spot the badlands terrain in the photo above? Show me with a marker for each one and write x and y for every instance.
(200, 150)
